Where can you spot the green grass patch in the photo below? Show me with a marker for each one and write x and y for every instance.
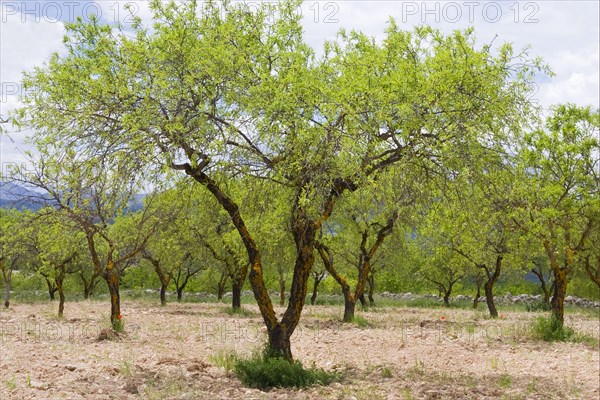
(224, 359)
(361, 322)
(505, 381)
(550, 330)
(262, 372)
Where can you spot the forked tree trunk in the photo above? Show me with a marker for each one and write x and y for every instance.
(88, 286)
(279, 343)
(51, 288)
(304, 233)
(180, 293)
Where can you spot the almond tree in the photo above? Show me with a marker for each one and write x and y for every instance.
(92, 199)
(558, 193)
(13, 231)
(221, 94)
(55, 247)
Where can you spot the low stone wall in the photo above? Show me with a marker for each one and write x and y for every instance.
(508, 298)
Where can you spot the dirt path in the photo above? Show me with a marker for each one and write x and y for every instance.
(397, 353)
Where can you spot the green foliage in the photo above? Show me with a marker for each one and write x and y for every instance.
(262, 371)
(550, 330)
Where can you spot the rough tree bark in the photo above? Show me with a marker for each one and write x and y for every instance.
(318, 277)
(112, 280)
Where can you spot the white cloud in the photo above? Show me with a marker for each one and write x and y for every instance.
(24, 43)
(564, 33)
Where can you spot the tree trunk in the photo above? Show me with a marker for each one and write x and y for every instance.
(86, 293)
(279, 343)
(489, 286)
(6, 292)
(236, 294)
(549, 294)
(478, 294)
(61, 297)
(560, 284)
(315, 292)
(221, 286)
(446, 298)
(88, 286)
(371, 282)
(163, 294)
(281, 289)
(558, 299)
(363, 301)
(349, 306)
(182, 287)
(489, 298)
(51, 288)
(112, 280)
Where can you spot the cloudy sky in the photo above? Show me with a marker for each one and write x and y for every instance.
(564, 33)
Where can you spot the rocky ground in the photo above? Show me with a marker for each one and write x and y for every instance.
(173, 352)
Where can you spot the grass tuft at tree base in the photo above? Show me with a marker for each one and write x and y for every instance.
(262, 371)
(550, 330)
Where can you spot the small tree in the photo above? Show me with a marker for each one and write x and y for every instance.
(89, 197)
(13, 231)
(57, 246)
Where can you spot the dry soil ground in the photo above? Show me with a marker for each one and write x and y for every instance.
(173, 352)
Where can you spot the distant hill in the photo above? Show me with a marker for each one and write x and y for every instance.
(16, 196)
(19, 197)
